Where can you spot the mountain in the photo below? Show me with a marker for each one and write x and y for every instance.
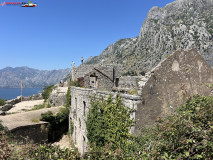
(182, 24)
(32, 78)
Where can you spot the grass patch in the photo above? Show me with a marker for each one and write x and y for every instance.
(41, 106)
(35, 120)
(37, 107)
(209, 85)
(133, 92)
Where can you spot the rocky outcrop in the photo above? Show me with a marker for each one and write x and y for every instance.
(183, 24)
(32, 78)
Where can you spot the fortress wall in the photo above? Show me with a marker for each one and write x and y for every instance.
(38, 133)
(80, 104)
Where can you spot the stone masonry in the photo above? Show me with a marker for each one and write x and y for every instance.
(182, 75)
(80, 102)
(160, 92)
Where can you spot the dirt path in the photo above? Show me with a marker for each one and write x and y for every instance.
(25, 105)
(25, 118)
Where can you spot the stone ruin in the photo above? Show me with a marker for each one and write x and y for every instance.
(182, 75)
(159, 92)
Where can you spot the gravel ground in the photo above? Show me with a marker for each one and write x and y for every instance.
(25, 118)
(25, 105)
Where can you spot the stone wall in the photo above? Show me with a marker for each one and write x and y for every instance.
(38, 133)
(183, 74)
(101, 81)
(80, 103)
(81, 70)
(102, 77)
(129, 82)
(58, 97)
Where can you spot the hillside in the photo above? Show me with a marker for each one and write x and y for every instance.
(32, 78)
(182, 24)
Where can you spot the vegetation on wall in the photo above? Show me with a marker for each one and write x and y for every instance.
(12, 150)
(68, 102)
(108, 124)
(187, 134)
(74, 83)
(54, 120)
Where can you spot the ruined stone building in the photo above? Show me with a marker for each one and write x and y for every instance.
(159, 92)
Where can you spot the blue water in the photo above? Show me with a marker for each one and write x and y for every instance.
(11, 93)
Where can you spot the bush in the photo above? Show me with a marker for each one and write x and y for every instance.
(108, 124)
(187, 134)
(74, 83)
(1, 126)
(133, 92)
(54, 120)
(47, 91)
(5, 151)
(2, 102)
(37, 107)
(51, 152)
(68, 102)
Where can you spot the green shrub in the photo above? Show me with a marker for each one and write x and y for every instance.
(71, 127)
(2, 102)
(51, 152)
(74, 83)
(5, 151)
(47, 91)
(35, 120)
(68, 102)
(108, 124)
(187, 134)
(1, 126)
(133, 92)
(62, 115)
(48, 117)
(37, 107)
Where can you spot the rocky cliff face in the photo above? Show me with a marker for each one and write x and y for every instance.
(32, 78)
(183, 24)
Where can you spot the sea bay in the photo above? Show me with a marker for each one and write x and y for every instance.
(11, 93)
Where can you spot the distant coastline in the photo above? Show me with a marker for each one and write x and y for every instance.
(11, 93)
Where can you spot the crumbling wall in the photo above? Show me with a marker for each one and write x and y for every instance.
(81, 70)
(102, 82)
(129, 82)
(80, 104)
(102, 77)
(38, 133)
(58, 97)
(183, 74)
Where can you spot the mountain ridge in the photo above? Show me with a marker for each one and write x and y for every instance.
(182, 24)
(32, 78)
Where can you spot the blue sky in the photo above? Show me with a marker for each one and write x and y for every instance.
(55, 33)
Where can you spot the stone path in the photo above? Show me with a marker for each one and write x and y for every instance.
(25, 118)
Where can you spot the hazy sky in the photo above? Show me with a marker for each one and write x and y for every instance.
(55, 33)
